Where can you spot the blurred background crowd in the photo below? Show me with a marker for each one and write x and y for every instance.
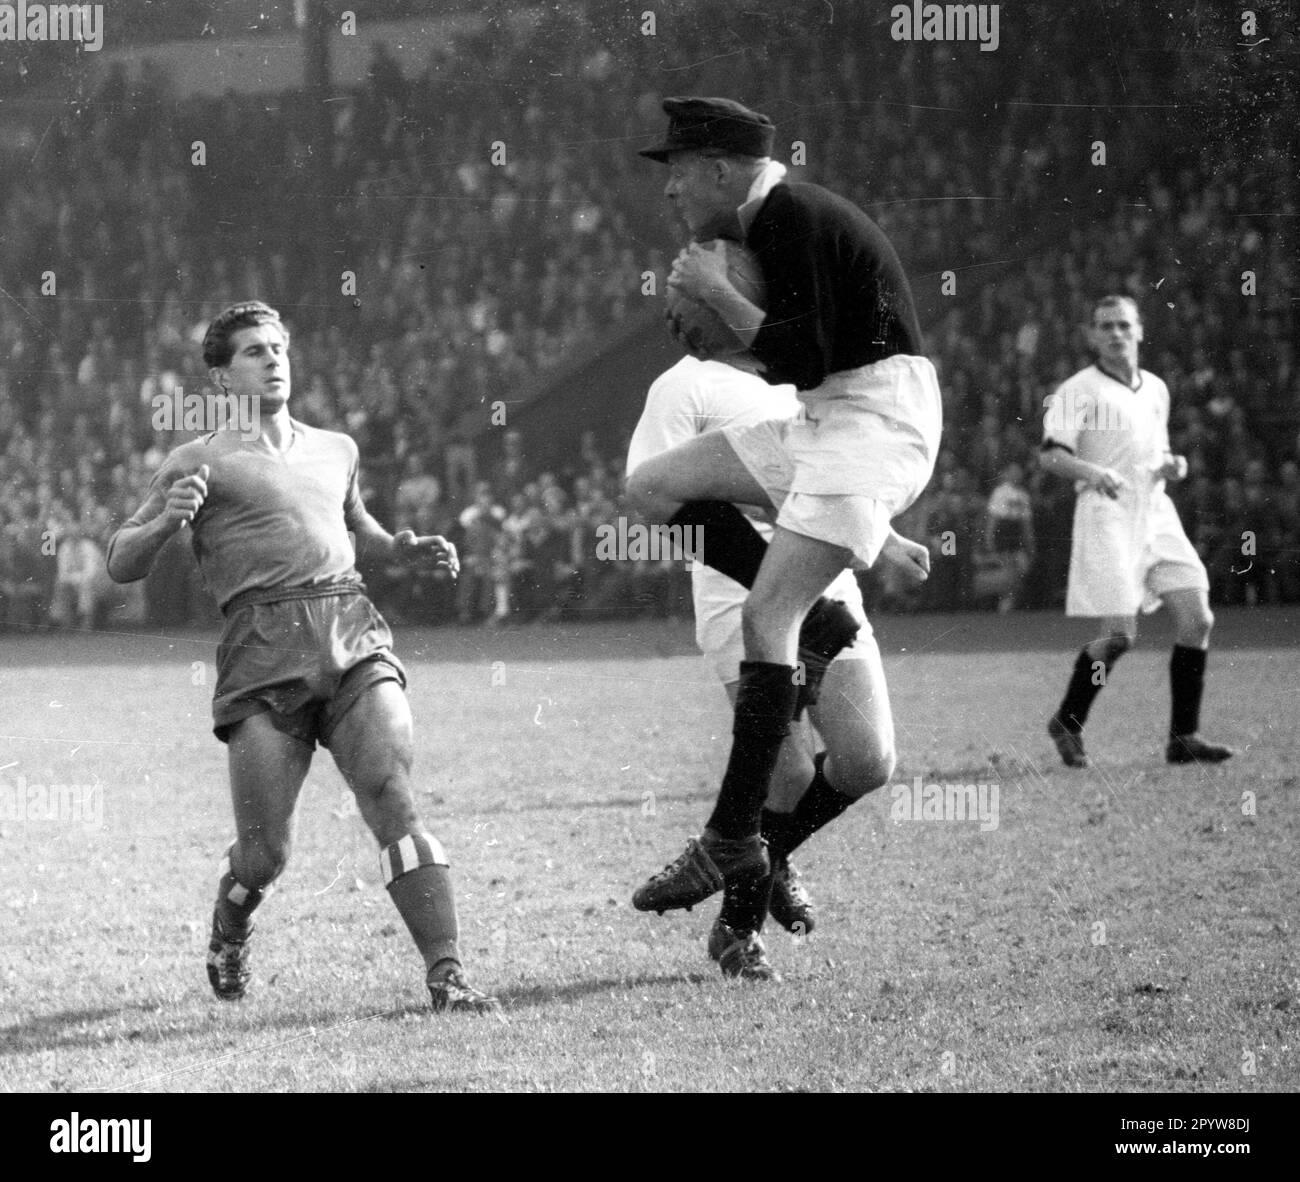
(480, 272)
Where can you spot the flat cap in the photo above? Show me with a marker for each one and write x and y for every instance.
(717, 123)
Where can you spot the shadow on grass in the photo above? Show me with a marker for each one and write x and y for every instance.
(139, 1022)
(510, 807)
(536, 995)
(143, 1022)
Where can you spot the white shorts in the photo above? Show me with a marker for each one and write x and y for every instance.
(1126, 558)
(718, 604)
(859, 453)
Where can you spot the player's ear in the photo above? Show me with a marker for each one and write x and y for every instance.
(218, 375)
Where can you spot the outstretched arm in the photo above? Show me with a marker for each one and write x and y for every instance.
(374, 541)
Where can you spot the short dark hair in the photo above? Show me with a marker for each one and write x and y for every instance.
(217, 349)
(1115, 301)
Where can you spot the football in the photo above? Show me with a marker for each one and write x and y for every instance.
(696, 326)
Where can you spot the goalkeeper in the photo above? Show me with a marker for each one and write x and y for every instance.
(840, 326)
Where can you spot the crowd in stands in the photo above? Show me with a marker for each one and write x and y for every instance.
(447, 241)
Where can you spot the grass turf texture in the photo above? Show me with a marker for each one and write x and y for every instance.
(946, 958)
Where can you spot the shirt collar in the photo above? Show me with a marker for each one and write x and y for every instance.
(771, 175)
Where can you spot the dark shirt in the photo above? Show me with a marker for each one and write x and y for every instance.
(836, 295)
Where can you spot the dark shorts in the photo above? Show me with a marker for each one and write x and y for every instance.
(304, 661)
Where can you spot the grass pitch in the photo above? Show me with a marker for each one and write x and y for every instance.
(1126, 928)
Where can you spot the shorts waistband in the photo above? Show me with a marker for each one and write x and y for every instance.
(283, 594)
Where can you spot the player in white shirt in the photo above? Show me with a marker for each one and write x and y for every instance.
(852, 712)
(1107, 429)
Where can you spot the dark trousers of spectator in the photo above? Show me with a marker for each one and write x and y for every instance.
(417, 598)
(610, 591)
(563, 593)
(948, 589)
(475, 593)
(1236, 579)
(1288, 571)
(22, 605)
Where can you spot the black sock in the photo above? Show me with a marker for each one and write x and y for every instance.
(777, 830)
(235, 901)
(1085, 685)
(744, 905)
(764, 707)
(1186, 681)
(820, 804)
(726, 540)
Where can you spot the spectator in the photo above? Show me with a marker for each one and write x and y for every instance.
(480, 523)
(81, 584)
(1009, 539)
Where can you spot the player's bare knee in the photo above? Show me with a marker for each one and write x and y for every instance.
(861, 772)
(882, 771)
(261, 861)
(644, 495)
(387, 807)
(1196, 631)
(1109, 649)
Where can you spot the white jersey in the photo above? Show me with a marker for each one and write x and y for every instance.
(1128, 552)
(693, 398)
(1103, 421)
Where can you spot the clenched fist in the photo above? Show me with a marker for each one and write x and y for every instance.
(432, 551)
(911, 559)
(185, 498)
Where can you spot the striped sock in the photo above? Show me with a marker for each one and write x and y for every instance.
(416, 874)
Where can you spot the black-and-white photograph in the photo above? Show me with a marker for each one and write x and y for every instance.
(577, 546)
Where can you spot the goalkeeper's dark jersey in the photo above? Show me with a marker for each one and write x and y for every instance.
(836, 294)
